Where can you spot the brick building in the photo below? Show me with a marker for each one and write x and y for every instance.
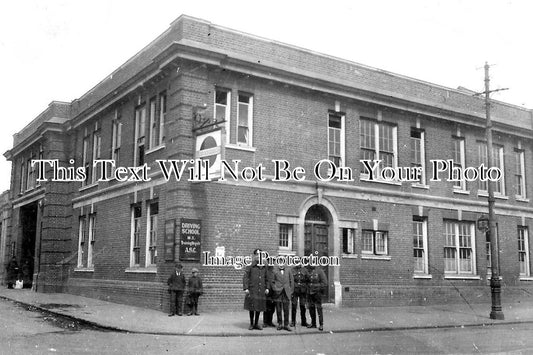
(204, 91)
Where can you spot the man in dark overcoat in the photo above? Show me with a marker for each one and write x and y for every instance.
(299, 296)
(176, 286)
(256, 286)
(268, 315)
(317, 287)
(283, 286)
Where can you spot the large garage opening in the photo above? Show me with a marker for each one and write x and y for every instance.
(28, 221)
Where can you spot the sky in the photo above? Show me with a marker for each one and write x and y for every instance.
(58, 50)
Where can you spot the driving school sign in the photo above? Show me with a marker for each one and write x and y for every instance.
(191, 240)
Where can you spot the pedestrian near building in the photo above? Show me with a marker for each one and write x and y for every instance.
(283, 286)
(299, 296)
(12, 271)
(268, 315)
(195, 291)
(176, 287)
(317, 286)
(256, 287)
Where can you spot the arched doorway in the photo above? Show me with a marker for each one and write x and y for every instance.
(316, 236)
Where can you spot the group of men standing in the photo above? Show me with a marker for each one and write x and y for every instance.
(267, 288)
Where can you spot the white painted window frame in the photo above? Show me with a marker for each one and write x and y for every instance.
(425, 246)
(457, 249)
(250, 119)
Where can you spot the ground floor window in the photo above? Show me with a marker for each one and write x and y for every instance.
(523, 250)
(152, 221)
(285, 236)
(348, 240)
(135, 256)
(420, 246)
(374, 242)
(92, 239)
(459, 248)
(81, 240)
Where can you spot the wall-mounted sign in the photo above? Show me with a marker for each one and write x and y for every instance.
(169, 240)
(209, 147)
(191, 239)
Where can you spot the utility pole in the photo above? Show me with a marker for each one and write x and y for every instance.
(495, 282)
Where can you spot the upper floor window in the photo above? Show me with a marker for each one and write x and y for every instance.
(520, 172)
(162, 116)
(86, 161)
(116, 138)
(30, 173)
(336, 143)
(245, 119)
(378, 142)
(418, 153)
(97, 148)
(222, 108)
(497, 162)
(40, 157)
(154, 131)
(459, 161)
(157, 120)
(140, 133)
(22, 175)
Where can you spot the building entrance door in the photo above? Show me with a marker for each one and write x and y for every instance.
(316, 235)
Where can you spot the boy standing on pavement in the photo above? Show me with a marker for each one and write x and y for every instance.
(195, 291)
(176, 287)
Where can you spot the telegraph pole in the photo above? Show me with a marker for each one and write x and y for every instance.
(495, 282)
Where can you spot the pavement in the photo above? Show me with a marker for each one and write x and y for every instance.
(131, 319)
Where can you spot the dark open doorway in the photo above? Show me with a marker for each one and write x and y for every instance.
(316, 236)
(28, 221)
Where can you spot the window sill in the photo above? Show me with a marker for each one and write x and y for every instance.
(141, 270)
(155, 149)
(461, 192)
(349, 256)
(420, 186)
(521, 199)
(375, 257)
(241, 147)
(498, 196)
(379, 181)
(87, 187)
(284, 251)
(84, 269)
(422, 276)
(462, 277)
(525, 278)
